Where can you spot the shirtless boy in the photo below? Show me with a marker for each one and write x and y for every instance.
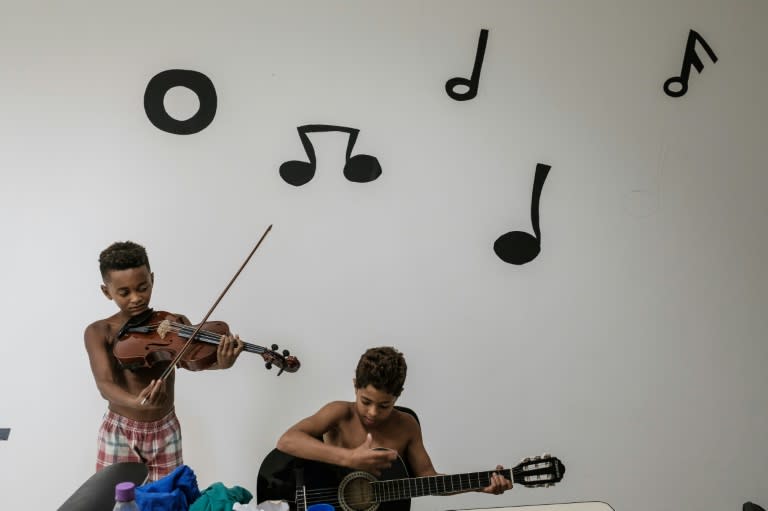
(351, 429)
(140, 424)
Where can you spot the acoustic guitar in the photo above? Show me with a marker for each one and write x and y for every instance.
(303, 483)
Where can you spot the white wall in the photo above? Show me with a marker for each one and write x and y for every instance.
(631, 348)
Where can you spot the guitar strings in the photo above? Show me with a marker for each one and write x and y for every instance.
(404, 490)
(330, 495)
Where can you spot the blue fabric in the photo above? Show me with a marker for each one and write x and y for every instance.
(174, 492)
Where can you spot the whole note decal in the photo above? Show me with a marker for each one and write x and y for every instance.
(519, 247)
(197, 82)
(360, 168)
(473, 82)
(690, 58)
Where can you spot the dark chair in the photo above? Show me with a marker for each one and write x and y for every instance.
(409, 412)
(98, 492)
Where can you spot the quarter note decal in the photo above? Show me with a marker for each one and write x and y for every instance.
(197, 82)
(360, 168)
(690, 58)
(472, 83)
(519, 247)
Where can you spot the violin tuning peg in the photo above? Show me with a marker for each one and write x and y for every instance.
(536, 458)
(546, 456)
(268, 365)
(526, 459)
(286, 353)
(274, 347)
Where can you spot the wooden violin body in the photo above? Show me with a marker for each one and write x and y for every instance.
(156, 337)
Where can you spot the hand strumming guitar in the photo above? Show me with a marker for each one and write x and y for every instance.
(364, 457)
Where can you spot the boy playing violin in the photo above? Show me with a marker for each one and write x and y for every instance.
(140, 424)
(351, 430)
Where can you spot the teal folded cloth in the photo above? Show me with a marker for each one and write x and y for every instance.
(218, 497)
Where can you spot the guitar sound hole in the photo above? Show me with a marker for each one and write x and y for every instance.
(357, 493)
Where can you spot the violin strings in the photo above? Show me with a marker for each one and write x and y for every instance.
(206, 336)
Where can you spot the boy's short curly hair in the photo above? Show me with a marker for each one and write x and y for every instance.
(122, 255)
(384, 368)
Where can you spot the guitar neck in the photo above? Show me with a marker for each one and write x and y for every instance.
(398, 489)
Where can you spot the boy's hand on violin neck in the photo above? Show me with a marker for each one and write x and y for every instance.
(228, 351)
(374, 461)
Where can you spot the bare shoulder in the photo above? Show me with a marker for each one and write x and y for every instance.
(97, 332)
(407, 426)
(336, 410)
(101, 332)
(331, 417)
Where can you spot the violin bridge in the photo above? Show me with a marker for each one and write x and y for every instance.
(163, 328)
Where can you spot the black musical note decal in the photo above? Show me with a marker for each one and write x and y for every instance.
(519, 247)
(690, 58)
(360, 168)
(473, 82)
(161, 83)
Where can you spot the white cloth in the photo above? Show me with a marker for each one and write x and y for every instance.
(267, 505)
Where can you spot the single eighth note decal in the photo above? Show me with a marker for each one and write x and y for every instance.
(690, 59)
(519, 247)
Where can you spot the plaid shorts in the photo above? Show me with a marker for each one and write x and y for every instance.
(156, 443)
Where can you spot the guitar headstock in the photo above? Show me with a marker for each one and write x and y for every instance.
(283, 361)
(538, 471)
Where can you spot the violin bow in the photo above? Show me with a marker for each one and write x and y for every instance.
(187, 344)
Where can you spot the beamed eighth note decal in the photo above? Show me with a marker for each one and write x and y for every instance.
(360, 168)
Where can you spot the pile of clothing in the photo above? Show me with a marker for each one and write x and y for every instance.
(178, 491)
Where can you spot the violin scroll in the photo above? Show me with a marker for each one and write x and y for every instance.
(284, 361)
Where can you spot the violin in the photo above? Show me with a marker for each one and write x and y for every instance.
(154, 337)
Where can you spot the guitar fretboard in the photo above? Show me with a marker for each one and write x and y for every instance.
(398, 489)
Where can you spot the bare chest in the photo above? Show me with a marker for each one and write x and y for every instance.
(351, 434)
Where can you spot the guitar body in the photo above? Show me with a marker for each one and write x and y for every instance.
(303, 483)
